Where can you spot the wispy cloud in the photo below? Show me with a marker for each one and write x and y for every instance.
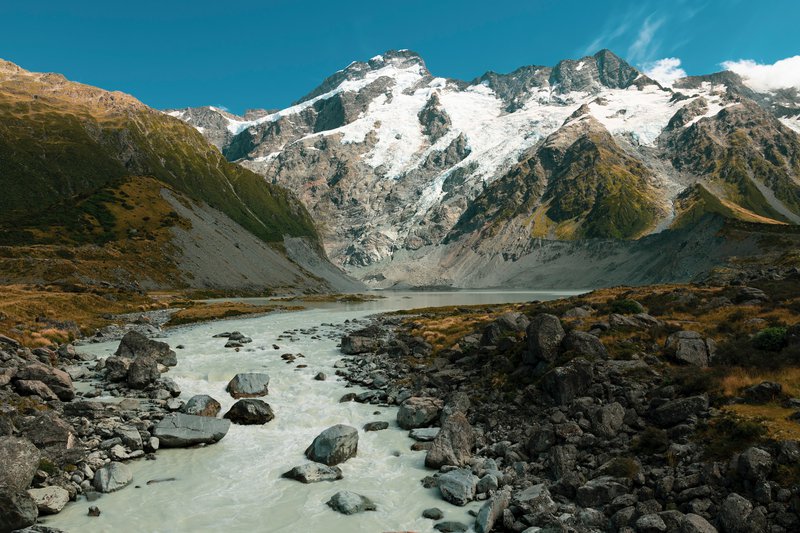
(615, 28)
(646, 46)
(782, 74)
(664, 71)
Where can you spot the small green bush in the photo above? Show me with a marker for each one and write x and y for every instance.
(772, 339)
(626, 306)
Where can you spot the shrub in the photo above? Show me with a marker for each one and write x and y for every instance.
(772, 339)
(729, 435)
(651, 441)
(626, 306)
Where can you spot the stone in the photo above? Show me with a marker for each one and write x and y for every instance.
(130, 436)
(688, 347)
(693, 523)
(677, 411)
(357, 345)
(453, 444)
(112, 477)
(30, 387)
(585, 345)
(320, 376)
(424, 434)
(735, 515)
(20, 461)
(754, 464)
(335, 445)
(49, 500)
(313, 473)
(457, 402)
(93, 511)
(607, 420)
(376, 426)
(565, 383)
(450, 527)
(650, 523)
(418, 412)
(248, 385)
(202, 405)
(47, 430)
(433, 513)
(545, 334)
(458, 486)
(747, 295)
(178, 430)
(487, 484)
(764, 392)
(57, 380)
(599, 491)
(117, 368)
(491, 511)
(348, 503)
(536, 498)
(143, 372)
(250, 411)
(134, 345)
(17, 509)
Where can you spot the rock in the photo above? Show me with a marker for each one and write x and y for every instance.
(93, 511)
(424, 434)
(8, 342)
(134, 345)
(348, 503)
(764, 392)
(536, 498)
(565, 383)
(29, 387)
(320, 376)
(676, 411)
(433, 513)
(491, 511)
(693, 523)
(356, 345)
(202, 405)
(750, 295)
(112, 477)
(418, 412)
(690, 348)
(544, 338)
(450, 527)
(513, 321)
(117, 368)
(376, 426)
(599, 491)
(250, 411)
(585, 345)
(457, 402)
(178, 430)
(453, 444)
(458, 486)
(313, 473)
(754, 464)
(607, 420)
(239, 337)
(650, 523)
(736, 516)
(47, 430)
(57, 380)
(20, 460)
(249, 385)
(578, 312)
(49, 500)
(637, 321)
(143, 372)
(17, 509)
(130, 436)
(487, 483)
(335, 445)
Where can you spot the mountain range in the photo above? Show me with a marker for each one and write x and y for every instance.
(422, 180)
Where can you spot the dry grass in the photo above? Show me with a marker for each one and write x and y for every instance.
(773, 417)
(203, 312)
(738, 378)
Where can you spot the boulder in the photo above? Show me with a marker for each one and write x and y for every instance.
(693, 523)
(585, 345)
(130, 436)
(418, 412)
(49, 500)
(736, 515)
(112, 477)
(250, 411)
(637, 321)
(202, 405)
(453, 444)
(376, 426)
(117, 368)
(424, 434)
(20, 460)
(433, 513)
(544, 339)
(347, 502)
(491, 511)
(57, 380)
(356, 345)
(17, 509)
(458, 486)
(764, 392)
(30, 387)
(607, 420)
(536, 499)
(754, 464)
(457, 402)
(676, 411)
(750, 295)
(689, 347)
(599, 491)
(450, 526)
(565, 383)
(134, 345)
(513, 321)
(650, 523)
(178, 430)
(248, 385)
(335, 445)
(143, 372)
(313, 473)
(46, 429)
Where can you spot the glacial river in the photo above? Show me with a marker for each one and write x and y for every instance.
(235, 485)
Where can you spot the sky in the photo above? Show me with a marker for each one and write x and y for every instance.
(267, 54)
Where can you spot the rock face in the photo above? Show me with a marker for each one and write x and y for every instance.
(419, 412)
(134, 345)
(335, 445)
(180, 430)
(49, 500)
(202, 405)
(17, 509)
(143, 372)
(453, 444)
(20, 460)
(314, 473)
(57, 380)
(347, 502)
(112, 477)
(690, 348)
(250, 411)
(249, 385)
(544, 339)
(458, 486)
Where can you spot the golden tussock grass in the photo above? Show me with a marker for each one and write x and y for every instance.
(738, 378)
(773, 417)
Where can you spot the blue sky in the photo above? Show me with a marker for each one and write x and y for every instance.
(242, 54)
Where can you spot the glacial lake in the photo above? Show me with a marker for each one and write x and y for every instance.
(236, 485)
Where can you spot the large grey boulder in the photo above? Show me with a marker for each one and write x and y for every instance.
(565, 383)
(57, 380)
(50, 500)
(248, 385)
(585, 345)
(250, 411)
(202, 405)
(453, 444)
(20, 461)
(112, 477)
(693, 523)
(134, 345)
(130, 436)
(347, 502)
(676, 411)
(356, 345)
(143, 372)
(49, 431)
(544, 339)
(30, 387)
(754, 464)
(417, 412)
(689, 347)
(335, 445)
(314, 473)
(180, 430)
(536, 499)
(599, 491)
(17, 509)
(607, 420)
(736, 515)
(491, 511)
(117, 368)
(458, 486)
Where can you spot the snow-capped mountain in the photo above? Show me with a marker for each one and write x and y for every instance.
(394, 162)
